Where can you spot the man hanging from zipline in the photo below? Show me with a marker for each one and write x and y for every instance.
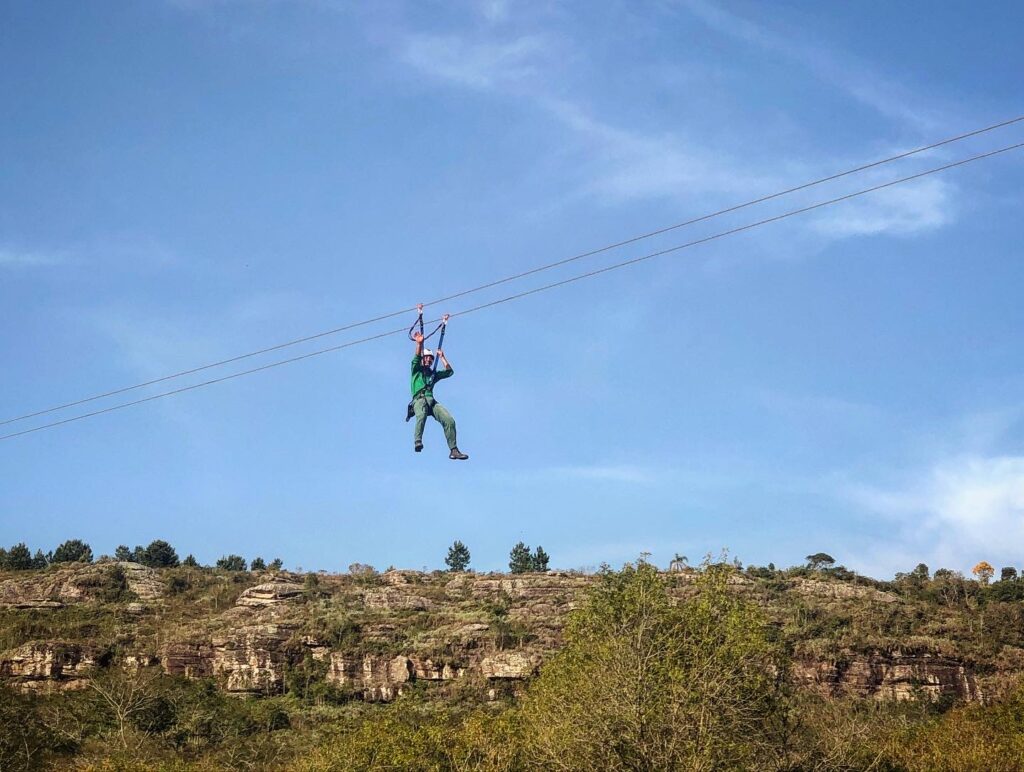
(424, 375)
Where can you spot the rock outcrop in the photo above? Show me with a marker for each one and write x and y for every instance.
(78, 583)
(270, 594)
(46, 665)
(840, 590)
(890, 676)
(374, 635)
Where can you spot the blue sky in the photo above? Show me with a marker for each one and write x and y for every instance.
(192, 179)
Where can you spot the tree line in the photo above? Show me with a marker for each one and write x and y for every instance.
(157, 554)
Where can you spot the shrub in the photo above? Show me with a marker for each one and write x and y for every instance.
(643, 683)
(23, 737)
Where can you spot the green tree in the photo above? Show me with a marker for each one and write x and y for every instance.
(820, 560)
(159, 554)
(3, 558)
(539, 561)
(257, 564)
(19, 558)
(276, 564)
(643, 683)
(39, 560)
(190, 561)
(1008, 574)
(458, 557)
(231, 563)
(519, 559)
(123, 554)
(73, 551)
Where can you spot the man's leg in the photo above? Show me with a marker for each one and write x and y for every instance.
(448, 423)
(419, 407)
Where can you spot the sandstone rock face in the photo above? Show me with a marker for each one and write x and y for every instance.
(47, 665)
(840, 590)
(252, 658)
(396, 599)
(426, 669)
(78, 583)
(144, 582)
(378, 678)
(890, 676)
(508, 665)
(188, 658)
(382, 678)
(270, 593)
(551, 586)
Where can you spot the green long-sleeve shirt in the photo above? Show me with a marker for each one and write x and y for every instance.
(423, 379)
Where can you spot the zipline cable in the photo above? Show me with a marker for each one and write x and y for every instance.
(522, 275)
(534, 291)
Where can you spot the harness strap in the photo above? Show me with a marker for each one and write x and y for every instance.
(440, 342)
(419, 323)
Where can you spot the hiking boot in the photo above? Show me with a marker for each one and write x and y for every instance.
(457, 455)
(418, 446)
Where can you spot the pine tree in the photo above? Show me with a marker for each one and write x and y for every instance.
(257, 564)
(123, 554)
(231, 563)
(190, 561)
(159, 554)
(540, 559)
(73, 551)
(458, 557)
(276, 564)
(519, 559)
(40, 560)
(19, 558)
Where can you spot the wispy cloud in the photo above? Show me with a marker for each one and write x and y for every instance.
(616, 163)
(911, 208)
(483, 64)
(857, 79)
(618, 473)
(15, 259)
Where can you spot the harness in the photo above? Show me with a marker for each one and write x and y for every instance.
(429, 381)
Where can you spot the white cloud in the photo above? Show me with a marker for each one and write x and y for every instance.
(960, 511)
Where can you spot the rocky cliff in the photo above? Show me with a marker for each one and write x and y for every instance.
(374, 636)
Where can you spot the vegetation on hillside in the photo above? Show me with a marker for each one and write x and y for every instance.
(647, 679)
